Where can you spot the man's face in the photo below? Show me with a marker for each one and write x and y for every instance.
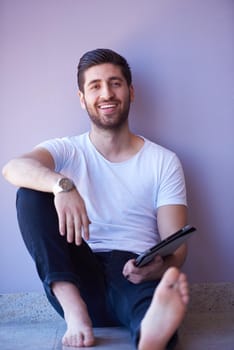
(106, 96)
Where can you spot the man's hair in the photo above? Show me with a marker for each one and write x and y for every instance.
(100, 56)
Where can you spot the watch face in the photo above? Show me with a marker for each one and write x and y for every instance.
(66, 184)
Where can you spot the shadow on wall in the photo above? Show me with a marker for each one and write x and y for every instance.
(169, 109)
(146, 110)
(204, 254)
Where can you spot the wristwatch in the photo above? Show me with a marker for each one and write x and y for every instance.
(64, 184)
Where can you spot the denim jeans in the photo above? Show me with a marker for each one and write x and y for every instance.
(110, 298)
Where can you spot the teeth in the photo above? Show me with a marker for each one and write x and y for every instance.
(107, 106)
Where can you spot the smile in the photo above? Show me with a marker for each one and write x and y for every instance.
(106, 106)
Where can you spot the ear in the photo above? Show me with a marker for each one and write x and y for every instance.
(132, 93)
(82, 101)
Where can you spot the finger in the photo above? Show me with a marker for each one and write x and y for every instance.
(85, 225)
(135, 279)
(126, 273)
(129, 268)
(77, 226)
(126, 270)
(62, 224)
(70, 229)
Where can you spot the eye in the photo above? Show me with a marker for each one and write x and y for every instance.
(116, 83)
(94, 87)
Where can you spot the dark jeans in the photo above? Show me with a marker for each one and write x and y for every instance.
(111, 299)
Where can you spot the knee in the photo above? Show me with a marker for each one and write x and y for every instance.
(27, 198)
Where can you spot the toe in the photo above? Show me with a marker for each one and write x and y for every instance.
(170, 277)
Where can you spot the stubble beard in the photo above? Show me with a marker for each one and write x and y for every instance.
(111, 123)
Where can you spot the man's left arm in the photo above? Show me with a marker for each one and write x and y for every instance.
(170, 218)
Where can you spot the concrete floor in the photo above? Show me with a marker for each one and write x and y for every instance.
(29, 323)
(200, 332)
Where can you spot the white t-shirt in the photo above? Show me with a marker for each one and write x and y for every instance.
(121, 198)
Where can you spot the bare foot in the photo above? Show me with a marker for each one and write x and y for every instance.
(166, 311)
(79, 327)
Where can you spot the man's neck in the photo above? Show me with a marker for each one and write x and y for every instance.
(116, 145)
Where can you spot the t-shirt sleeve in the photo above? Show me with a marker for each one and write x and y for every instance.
(172, 189)
(60, 151)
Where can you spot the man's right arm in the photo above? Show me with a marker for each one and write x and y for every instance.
(35, 170)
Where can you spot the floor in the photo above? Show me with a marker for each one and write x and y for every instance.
(29, 323)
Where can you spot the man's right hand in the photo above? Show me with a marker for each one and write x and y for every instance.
(72, 215)
(36, 170)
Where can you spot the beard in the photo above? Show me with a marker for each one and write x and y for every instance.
(109, 122)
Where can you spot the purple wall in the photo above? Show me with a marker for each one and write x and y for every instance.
(181, 54)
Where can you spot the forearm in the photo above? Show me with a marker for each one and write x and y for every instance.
(30, 173)
(177, 259)
(35, 170)
(170, 219)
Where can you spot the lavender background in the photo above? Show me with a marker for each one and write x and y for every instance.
(182, 57)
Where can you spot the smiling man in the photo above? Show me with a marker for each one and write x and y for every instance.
(106, 96)
(89, 204)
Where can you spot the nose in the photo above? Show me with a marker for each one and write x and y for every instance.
(106, 92)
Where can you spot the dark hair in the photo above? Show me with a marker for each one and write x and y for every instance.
(100, 56)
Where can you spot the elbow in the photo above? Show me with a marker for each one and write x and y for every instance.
(7, 170)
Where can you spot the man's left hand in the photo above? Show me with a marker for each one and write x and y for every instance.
(152, 271)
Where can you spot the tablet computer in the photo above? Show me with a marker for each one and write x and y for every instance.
(166, 246)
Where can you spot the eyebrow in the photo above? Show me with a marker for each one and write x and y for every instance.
(94, 81)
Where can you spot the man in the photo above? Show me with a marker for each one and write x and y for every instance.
(90, 204)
